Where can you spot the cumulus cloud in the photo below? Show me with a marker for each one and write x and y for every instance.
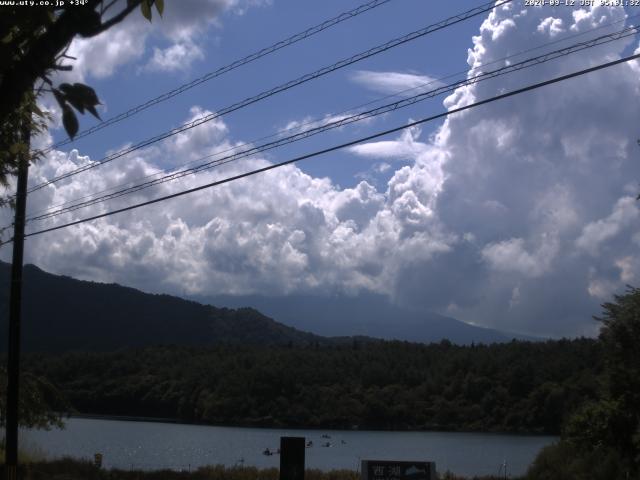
(544, 210)
(555, 192)
(178, 56)
(551, 26)
(183, 26)
(278, 232)
(515, 215)
(512, 256)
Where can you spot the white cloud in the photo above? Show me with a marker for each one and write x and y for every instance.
(407, 146)
(595, 234)
(515, 215)
(184, 25)
(382, 167)
(208, 139)
(603, 282)
(512, 256)
(309, 123)
(601, 288)
(534, 195)
(551, 26)
(277, 232)
(177, 57)
(100, 56)
(405, 84)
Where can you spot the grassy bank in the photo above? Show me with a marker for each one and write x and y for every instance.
(71, 469)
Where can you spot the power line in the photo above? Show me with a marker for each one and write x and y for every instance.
(227, 68)
(283, 87)
(352, 109)
(341, 146)
(528, 63)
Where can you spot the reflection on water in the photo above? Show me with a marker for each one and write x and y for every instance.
(146, 445)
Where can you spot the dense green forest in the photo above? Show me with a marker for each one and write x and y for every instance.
(516, 387)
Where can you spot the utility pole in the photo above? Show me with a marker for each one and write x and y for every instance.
(15, 304)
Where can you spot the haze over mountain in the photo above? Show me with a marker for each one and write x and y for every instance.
(61, 313)
(365, 314)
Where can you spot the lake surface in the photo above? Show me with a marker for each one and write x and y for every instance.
(150, 446)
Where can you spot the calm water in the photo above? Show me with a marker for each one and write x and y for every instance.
(148, 446)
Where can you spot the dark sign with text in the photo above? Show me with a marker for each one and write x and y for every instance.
(390, 470)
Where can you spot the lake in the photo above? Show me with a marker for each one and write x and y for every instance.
(151, 445)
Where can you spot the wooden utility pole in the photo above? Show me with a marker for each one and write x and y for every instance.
(15, 304)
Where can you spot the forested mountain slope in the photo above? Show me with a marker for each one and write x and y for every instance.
(61, 313)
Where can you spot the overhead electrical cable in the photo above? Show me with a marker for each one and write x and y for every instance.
(512, 93)
(531, 62)
(132, 183)
(309, 32)
(283, 87)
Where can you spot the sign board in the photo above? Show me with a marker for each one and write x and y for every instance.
(392, 470)
(292, 451)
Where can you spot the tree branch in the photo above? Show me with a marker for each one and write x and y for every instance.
(22, 75)
(132, 5)
(108, 6)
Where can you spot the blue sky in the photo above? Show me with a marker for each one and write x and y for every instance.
(520, 215)
(264, 24)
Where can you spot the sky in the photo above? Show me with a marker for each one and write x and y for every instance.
(518, 215)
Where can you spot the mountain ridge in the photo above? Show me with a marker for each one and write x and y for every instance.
(61, 313)
(365, 314)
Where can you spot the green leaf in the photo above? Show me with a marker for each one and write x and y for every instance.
(86, 93)
(81, 97)
(71, 96)
(69, 121)
(37, 111)
(160, 6)
(9, 36)
(60, 98)
(65, 87)
(16, 148)
(92, 111)
(145, 8)
(76, 104)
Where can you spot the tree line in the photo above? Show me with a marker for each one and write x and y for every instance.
(514, 387)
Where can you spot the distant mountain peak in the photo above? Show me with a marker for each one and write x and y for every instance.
(366, 314)
(63, 313)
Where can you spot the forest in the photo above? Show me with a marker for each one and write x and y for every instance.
(586, 390)
(514, 387)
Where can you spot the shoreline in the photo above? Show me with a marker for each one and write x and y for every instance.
(132, 418)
